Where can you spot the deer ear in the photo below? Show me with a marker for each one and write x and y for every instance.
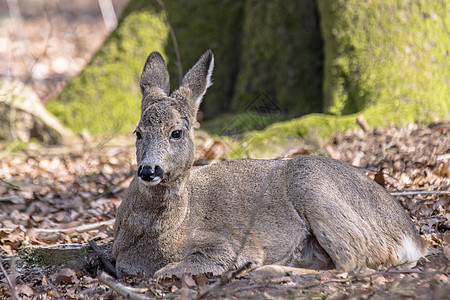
(155, 74)
(198, 79)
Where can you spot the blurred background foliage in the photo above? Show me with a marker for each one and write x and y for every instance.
(386, 60)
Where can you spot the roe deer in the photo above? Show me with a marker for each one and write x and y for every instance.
(309, 211)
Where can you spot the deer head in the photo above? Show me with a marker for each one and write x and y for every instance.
(164, 135)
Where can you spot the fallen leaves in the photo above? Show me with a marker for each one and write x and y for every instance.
(66, 197)
(52, 199)
(65, 276)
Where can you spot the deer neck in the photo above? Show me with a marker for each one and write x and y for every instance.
(166, 206)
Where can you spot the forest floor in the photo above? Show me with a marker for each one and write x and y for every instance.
(69, 195)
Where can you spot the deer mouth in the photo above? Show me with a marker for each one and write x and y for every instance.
(152, 182)
(150, 176)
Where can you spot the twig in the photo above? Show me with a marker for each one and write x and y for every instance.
(258, 286)
(174, 41)
(223, 280)
(50, 283)
(16, 187)
(443, 156)
(426, 188)
(359, 277)
(390, 271)
(120, 289)
(420, 193)
(82, 228)
(13, 290)
(415, 272)
(101, 255)
(109, 16)
(362, 122)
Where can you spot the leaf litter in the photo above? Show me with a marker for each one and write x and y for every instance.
(51, 196)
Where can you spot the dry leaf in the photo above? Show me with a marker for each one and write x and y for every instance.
(379, 178)
(25, 290)
(65, 276)
(447, 251)
(187, 281)
(442, 170)
(201, 280)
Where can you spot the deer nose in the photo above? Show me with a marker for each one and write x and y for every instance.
(148, 173)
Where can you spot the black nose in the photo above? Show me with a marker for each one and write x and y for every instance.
(147, 173)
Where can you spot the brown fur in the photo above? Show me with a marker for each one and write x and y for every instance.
(309, 211)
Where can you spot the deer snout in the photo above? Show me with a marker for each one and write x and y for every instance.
(152, 175)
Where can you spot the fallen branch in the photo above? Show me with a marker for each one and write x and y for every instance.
(426, 188)
(443, 156)
(223, 280)
(120, 288)
(15, 187)
(82, 228)
(109, 16)
(258, 286)
(75, 256)
(101, 255)
(415, 272)
(409, 193)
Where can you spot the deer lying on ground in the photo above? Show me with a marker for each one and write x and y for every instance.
(309, 211)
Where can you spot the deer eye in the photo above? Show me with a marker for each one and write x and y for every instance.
(138, 135)
(176, 135)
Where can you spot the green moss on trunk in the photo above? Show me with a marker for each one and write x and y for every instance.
(318, 129)
(105, 97)
(386, 52)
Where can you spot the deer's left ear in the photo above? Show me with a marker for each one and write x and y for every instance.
(155, 73)
(197, 80)
(154, 80)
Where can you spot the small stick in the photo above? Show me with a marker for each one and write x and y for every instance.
(174, 41)
(16, 187)
(420, 193)
(257, 286)
(426, 188)
(109, 16)
(223, 280)
(106, 263)
(13, 290)
(120, 289)
(82, 228)
(416, 272)
(362, 122)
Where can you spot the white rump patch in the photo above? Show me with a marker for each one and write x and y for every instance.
(408, 252)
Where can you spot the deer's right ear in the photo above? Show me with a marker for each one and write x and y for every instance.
(198, 79)
(155, 74)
